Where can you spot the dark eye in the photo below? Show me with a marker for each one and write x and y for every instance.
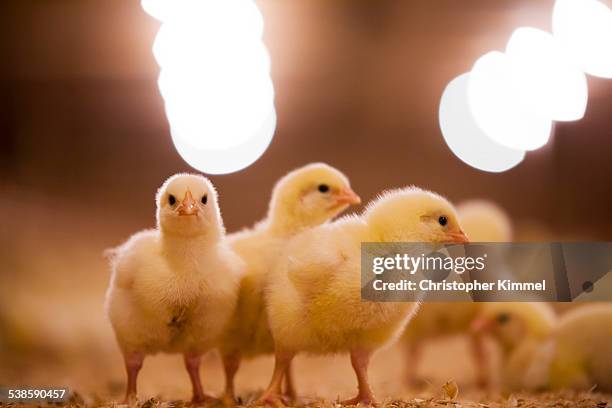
(171, 199)
(204, 199)
(442, 220)
(324, 188)
(503, 318)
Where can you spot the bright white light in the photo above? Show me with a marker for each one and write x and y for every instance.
(231, 16)
(465, 138)
(202, 48)
(216, 112)
(160, 9)
(584, 29)
(228, 160)
(496, 108)
(547, 83)
(215, 81)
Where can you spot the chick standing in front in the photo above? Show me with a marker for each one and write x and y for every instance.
(314, 297)
(306, 197)
(482, 221)
(174, 288)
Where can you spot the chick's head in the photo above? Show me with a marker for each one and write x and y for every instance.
(187, 206)
(485, 221)
(413, 215)
(510, 323)
(310, 196)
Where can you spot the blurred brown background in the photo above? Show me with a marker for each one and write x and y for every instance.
(85, 143)
(358, 84)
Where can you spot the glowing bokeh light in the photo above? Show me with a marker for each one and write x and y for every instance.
(213, 113)
(547, 83)
(160, 9)
(584, 29)
(465, 138)
(215, 81)
(496, 108)
(231, 17)
(199, 47)
(227, 160)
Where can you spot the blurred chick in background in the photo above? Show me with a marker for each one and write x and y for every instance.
(306, 197)
(314, 295)
(576, 355)
(482, 221)
(485, 221)
(519, 328)
(174, 288)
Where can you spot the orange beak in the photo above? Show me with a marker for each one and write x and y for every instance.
(347, 196)
(458, 237)
(188, 206)
(481, 325)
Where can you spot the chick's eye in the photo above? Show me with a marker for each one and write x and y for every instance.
(442, 220)
(171, 199)
(204, 199)
(503, 318)
(323, 188)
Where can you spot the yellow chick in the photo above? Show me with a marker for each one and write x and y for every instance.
(174, 288)
(314, 295)
(303, 198)
(482, 221)
(577, 355)
(485, 221)
(583, 355)
(519, 328)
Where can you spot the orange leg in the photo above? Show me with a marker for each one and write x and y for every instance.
(133, 364)
(290, 391)
(231, 363)
(272, 395)
(192, 364)
(360, 360)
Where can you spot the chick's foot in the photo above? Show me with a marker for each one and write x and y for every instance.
(367, 400)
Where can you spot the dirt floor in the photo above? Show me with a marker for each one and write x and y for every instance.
(557, 399)
(321, 381)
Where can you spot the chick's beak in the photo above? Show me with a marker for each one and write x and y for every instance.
(188, 206)
(458, 237)
(481, 325)
(347, 196)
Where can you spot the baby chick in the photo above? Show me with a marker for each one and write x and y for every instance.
(577, 355)
(314, 295)
(174, 288)
(482, 221)
(583, 349)
(485, 221)
(519, 328)
(306, 197)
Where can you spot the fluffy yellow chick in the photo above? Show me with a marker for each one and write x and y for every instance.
(303, 198)
(583, 349)
(519, 328)
(485, 221)
(174, 288)
(314, 295)
(482, 221)
(577, 355)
